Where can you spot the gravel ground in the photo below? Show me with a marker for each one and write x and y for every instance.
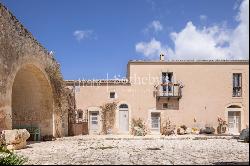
(148, 151)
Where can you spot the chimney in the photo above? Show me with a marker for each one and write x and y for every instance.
(161, 57)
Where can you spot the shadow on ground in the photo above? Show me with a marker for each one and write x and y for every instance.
(231, 163)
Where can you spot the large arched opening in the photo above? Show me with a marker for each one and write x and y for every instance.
(32, 102)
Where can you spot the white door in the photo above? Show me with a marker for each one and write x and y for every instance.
(123, 121)
(94, 122)
(234, 123)
(155, 122)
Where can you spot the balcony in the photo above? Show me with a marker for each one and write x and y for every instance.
(169, 90)
(237, 91)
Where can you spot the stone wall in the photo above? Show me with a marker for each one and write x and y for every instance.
(30, 80)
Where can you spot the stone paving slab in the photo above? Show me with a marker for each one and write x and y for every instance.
(150, 150)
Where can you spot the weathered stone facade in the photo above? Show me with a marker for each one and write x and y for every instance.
(31, 85)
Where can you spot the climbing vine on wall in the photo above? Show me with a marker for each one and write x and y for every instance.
(108, 117)
(56, 81)
(58, 87)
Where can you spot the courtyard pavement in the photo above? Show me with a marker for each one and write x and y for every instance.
(148, 150)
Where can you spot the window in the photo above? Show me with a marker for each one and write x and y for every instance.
(112, 95)
(237, 85)
(165, 105)
(123, 106)
(167, 78)
(80, 115)
(94, 118)
(155, 122)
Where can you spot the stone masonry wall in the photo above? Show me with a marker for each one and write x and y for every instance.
(19, 49)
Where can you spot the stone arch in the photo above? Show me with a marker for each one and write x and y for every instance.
(123, 106)
(234, 106)
(32, 100)
(21, 53)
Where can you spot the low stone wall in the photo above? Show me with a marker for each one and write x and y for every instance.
(78, 128)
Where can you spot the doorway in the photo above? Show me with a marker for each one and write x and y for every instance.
(155, 122)
(234, 122)
(94, 122)
(123, 118)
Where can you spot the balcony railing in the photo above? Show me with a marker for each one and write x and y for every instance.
(169, 90)
(237, 91)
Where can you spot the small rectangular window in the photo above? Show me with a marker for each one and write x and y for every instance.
(112, 95)
(165, 106)
(80, 115)
(237, 84)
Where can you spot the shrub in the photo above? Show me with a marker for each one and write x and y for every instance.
(138, 127)
(207, 130)
(244, 135)
(195, 130)
(9, 158)
(222, 126)
(168, 129)
(108, 117)
(48, 138)
(184, 127)
(180, 131)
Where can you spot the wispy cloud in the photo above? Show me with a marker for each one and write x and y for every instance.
(152, 4)
(84, 34)
(151, 48)
(214, 42)
(203, 17)
(154, 26)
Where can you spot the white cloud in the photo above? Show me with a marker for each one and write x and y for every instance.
(155, 25)
(83, 34)
(239, 45)
(203, 17)
(214, 42)
(206, 43)
(150, 49)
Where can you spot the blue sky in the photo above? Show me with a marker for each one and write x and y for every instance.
(91, 38)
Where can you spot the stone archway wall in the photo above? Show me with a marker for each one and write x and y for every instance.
(32, 103)
(18, 48)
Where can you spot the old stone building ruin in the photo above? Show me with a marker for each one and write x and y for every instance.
(31, 84)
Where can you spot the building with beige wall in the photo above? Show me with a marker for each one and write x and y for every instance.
(191, 93)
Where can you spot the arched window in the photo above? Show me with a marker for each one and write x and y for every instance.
(234, 106)
(123, 106)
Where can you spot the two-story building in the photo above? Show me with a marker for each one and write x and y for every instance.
(186, 92)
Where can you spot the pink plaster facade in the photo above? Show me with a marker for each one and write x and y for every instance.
(206, 93)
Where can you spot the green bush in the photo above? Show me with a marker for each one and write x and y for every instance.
(9, 158)
(138, 127)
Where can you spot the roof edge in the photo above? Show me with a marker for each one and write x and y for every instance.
(187, 61)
